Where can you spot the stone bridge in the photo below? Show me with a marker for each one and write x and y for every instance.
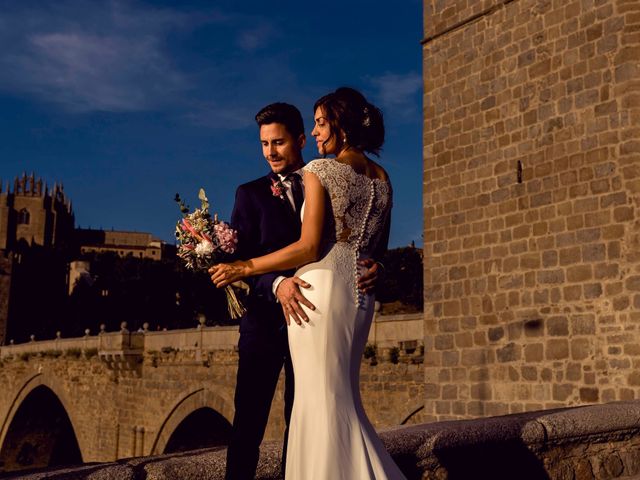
(122, 394)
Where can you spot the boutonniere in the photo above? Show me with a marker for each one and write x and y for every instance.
(278, 188)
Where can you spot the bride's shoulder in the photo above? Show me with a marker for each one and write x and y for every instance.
(318, 163)
(319, 166)
(326, 170)
(379, 172)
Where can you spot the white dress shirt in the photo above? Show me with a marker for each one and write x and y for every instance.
(287, 183)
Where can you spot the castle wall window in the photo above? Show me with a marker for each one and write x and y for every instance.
(23, 217)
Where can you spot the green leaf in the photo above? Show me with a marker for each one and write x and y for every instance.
(203, 198)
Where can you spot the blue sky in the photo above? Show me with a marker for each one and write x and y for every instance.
(128, 102)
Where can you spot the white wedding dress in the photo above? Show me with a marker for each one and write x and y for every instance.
(330, 437)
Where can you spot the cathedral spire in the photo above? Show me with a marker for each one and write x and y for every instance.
(23, 183)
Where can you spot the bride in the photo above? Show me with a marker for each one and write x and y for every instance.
(346, 217)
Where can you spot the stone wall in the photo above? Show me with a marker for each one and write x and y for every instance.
(531, 201)
(393, 393)
(6, 221)
(6, 264)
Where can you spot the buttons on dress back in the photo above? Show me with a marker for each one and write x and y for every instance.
(358, 295)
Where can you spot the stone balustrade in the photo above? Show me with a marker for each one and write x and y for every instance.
(218, 338)
(401, 332)
(55, 345)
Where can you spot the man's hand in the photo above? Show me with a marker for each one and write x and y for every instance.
(369, 278)
(290, 297)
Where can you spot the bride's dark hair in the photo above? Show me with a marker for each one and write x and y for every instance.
(348, 111)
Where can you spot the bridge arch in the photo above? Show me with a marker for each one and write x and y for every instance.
(203, 404)
(41, 408)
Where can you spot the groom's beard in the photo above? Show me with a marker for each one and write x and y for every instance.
(277, 164)
(281, 166)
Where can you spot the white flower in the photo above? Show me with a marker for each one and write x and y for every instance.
(205, 247)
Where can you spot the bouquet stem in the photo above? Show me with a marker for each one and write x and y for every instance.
(236, 310)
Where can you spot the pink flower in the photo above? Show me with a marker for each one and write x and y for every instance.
(277, 188)
(227, 237)
(190, 229)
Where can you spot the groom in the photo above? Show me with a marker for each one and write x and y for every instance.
(266, 215)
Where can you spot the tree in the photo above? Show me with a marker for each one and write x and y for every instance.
(402, 281)
(136, 290)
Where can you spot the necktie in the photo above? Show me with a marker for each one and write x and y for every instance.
(296, 190)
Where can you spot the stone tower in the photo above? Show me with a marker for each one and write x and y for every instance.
(34, 214)
(33, 219)
(532, 204)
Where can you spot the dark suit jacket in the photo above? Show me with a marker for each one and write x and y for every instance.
(265, 223)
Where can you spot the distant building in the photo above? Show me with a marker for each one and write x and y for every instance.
(124, 244)
(39, 250)
(33, 214)
(136, 244)
(36, 233)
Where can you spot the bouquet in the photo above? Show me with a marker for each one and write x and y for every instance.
(205, 241)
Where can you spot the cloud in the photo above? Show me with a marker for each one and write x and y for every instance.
(122, 56)
(257, 37)
(397, 93)
(85, 72)
(106, 57)
(217, 116)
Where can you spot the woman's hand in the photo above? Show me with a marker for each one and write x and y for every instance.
(225, 274)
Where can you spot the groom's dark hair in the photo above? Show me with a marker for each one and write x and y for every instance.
(283, 113)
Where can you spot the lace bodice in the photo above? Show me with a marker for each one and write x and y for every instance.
(358, 209)
(359, 205)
